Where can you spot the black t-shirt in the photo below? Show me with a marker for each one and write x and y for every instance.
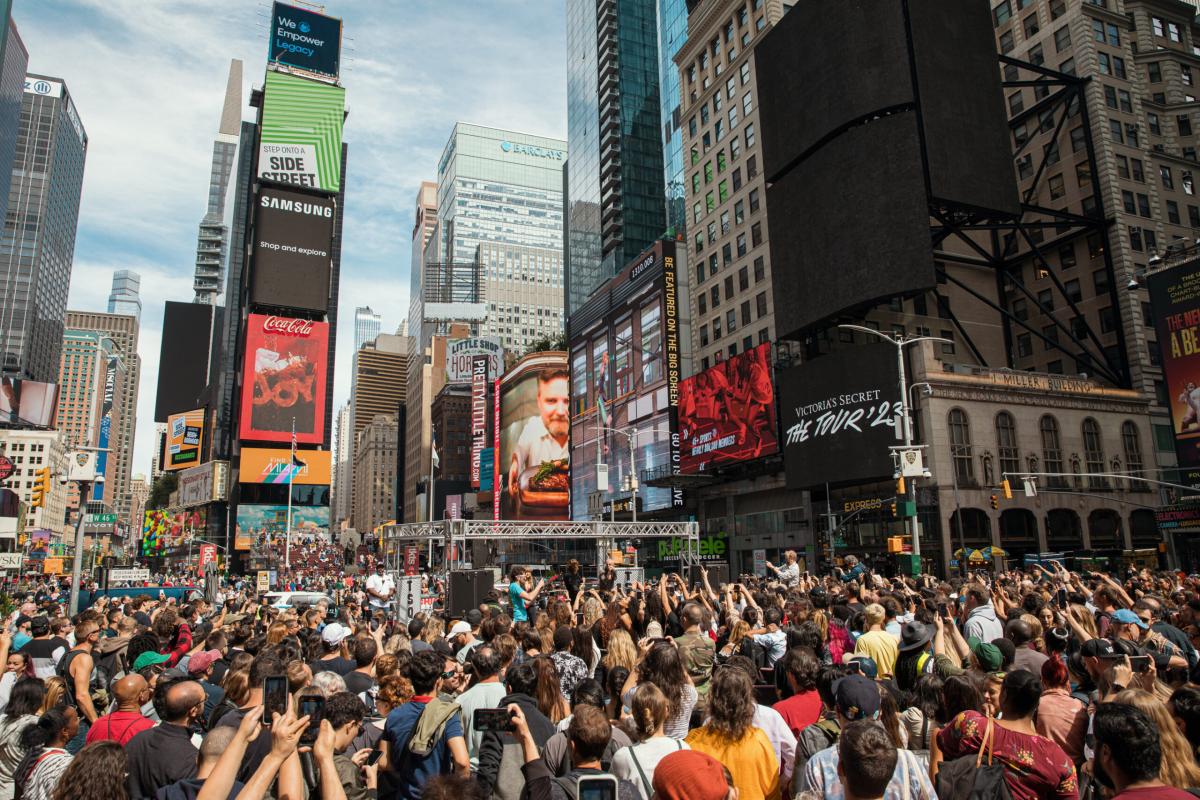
(256, 750)
(357, 682)
(342, 666)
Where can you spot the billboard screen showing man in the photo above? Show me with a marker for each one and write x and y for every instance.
(535, 461)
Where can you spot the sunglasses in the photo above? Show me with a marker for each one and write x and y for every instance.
(449, 674)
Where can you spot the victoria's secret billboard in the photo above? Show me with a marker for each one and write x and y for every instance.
(284, 379)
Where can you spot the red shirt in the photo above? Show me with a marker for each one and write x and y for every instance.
(1155, 793)
(119, 727)
(800, 710)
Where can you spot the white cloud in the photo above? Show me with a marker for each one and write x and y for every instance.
(148, 78)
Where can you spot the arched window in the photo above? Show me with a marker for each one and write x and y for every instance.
(1093, 453)
(1006, 443)
(960, 447)
(1052, 457)
(1133, 451)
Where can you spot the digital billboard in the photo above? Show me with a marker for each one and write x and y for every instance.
(258, 524)
(727, 413)
(305, 39)
(534, 433)
(479, 415)
(838, 416)
(27, 403)
(1175, 297)
(274, 465)
(293, 246)
(164, 530)
(283, 385)
(184, 356)
(106, 420)
(185, 438)
(301, 134)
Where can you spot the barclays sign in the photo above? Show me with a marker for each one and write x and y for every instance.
(532, 150)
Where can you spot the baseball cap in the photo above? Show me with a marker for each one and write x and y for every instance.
(856, 697)
(1127, 617)
(988, 655)
(866, 664)
(690, 775)
(198, 662)
(334, 633)
(473, 617)
(1096, 648)
(149, 659)
(459, 627)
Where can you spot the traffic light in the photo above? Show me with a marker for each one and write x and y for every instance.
(40, 488)
(900, 487)
(893, 508)
(995, 502)
(1006, 487)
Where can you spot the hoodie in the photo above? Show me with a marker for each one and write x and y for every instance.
(983, 624)
(501, 756)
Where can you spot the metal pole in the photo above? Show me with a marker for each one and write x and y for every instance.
(77, 561)
(962, 540)
(912, 524)
(829, 519)
(633, 481)
(432, 453)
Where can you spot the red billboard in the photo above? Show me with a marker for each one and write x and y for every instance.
(727, 413)
(284, 379)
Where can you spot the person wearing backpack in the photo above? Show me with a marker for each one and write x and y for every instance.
(425, 735)
(1034, 768)
(857, 700)
(77, 668)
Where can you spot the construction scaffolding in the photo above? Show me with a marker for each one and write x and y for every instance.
(454, 534)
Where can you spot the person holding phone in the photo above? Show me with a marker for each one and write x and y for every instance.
(521, 594)
(345, 713)
(587, 737)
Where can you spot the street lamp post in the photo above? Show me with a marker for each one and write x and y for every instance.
(900, 342)
(77, 560)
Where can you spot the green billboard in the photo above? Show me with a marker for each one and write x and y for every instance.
(301, 139)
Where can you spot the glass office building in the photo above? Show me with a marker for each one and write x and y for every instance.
(615, 197)
(672, 33)
(38, 244)
(500, 209)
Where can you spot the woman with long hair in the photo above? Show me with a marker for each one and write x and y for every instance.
(737, 634)
(96, 773)
(276, 633)
(636, 763)
(593, 611)
(614, 617)
(1179, 767)
(46, 757)
(622, 652)
(919, 720)
(662, 666)
(572, 579)
(18, 667)
(731, 738)
(615, 681)
(56, 693)
(23, 706)
(549, 696)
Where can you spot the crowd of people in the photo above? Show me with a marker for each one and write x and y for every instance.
(1036, 684)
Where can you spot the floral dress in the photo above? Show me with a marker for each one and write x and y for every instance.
(1034, 767)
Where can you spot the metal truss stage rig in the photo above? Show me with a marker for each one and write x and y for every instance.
(453, 533)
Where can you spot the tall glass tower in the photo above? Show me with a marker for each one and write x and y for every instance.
(367, 325)
(38, 244)
(615, 197)
(125, 297)
(212, 243)
(672, 33)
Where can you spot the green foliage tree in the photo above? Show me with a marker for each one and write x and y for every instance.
(160, 490)
(556, 342)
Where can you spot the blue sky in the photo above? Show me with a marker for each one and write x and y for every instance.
(148, 78)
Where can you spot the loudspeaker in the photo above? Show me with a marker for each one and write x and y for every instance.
(870, 113)
(467, 589)
(718, 573)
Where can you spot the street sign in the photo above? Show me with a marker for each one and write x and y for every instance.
(595, 503)
(408, 596)
(264, 581)
(760, 562)
(128, 575)
(412, 559)
(6, 467)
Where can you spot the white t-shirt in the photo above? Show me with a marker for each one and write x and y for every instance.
(384, 584)
(647, 755)
(536, 446)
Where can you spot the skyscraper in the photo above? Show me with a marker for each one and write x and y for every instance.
(500, 209)
(213, 241)
(615, 200)
(121, 330)
(124, 298)
(367, 325)
(343, 466)
(38, 243)
(14, 60)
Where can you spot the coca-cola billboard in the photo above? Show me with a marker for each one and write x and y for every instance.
(284, 379)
